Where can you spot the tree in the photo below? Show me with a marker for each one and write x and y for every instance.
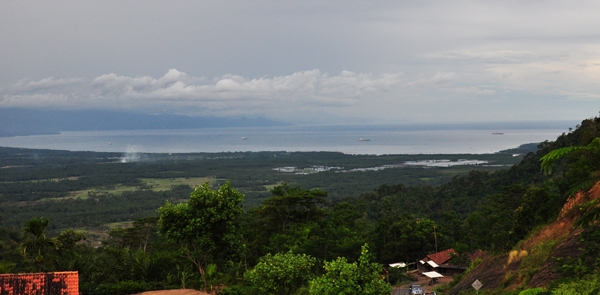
(139, 234)
(584, 172)
(285, 221)
(342, 277)
(584, 168)
(36, 243)
(404, 238)
(206, 226)
(282, 273)
(292, 204)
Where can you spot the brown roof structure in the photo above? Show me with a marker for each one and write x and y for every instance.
(442, 256)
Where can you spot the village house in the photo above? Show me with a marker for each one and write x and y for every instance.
(440, 263)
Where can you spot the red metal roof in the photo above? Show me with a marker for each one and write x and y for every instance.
(442, 256)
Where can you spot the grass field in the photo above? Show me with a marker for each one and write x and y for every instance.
(164, 184)
(155, 184)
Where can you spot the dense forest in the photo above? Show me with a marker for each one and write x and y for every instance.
(248, 228)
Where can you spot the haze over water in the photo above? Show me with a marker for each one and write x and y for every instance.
(470, 139)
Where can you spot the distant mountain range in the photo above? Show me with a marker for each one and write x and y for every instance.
(30, 122)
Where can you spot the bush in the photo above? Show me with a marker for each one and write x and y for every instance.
(533, 291)
(397, 276)
(282, 273)
(588, 285)
(121, 288)
(239, 290)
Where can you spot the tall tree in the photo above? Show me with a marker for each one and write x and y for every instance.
(36, 245)
(206, 226)
(341, 277)
(285, 221)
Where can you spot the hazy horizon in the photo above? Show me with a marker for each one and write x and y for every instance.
(373, 140)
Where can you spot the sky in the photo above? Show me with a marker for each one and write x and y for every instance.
(306, 62)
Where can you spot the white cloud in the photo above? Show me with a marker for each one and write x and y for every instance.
(229, 94)
(442, 78)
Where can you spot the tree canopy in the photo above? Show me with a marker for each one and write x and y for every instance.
(206, 226)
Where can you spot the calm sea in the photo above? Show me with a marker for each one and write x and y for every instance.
(441, 139)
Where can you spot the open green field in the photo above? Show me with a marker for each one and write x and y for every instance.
(164, 184)
(153, 184)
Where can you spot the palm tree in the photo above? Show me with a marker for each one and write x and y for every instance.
(35, 240)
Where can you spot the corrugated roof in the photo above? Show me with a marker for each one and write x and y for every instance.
(399, 264)
(433, 274)
(442, 256)
(432, 263)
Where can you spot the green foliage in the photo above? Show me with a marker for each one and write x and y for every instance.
(404, 238)
(6, 267)
(538, 206)
(142, 231)
(589, 260)
(206, 227)
(591, 213)
(281, 273)
(240, 289)
(587, 285)
(48, 180)
(584, 167)
(36, 246)
(398, 275)
(290, 220)
(550, 158)
(341, 277)
(532, 291)
(121, 288)
(536, 258)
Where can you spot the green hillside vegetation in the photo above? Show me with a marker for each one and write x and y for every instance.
(255, 230)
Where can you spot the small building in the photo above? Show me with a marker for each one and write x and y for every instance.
(440, 263)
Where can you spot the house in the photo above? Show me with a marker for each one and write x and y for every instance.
(440, 263)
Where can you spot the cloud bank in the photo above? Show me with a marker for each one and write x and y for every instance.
(177, 92)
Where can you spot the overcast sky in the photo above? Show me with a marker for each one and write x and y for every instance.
(327, 62)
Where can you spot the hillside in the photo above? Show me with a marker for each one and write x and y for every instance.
(533, 263)
(563, 249)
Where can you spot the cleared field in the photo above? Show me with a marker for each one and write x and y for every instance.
(117, 225)
(163, 184)
(154, 184)
(270, 186)
(115, 190)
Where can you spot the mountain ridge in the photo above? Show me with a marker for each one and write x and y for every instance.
(15, 122)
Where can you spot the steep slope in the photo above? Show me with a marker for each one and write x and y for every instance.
(533, 262)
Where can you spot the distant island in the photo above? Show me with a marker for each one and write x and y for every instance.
(19, 122)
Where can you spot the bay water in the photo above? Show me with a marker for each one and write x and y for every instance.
(373, 140)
